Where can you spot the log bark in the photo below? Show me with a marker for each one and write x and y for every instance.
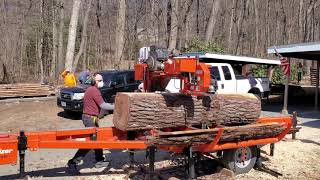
(140, 111)
(230, 134)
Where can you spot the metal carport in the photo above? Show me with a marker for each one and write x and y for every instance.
(307, 51)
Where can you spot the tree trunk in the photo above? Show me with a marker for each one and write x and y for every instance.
(84, 36)
(257, 22)
(232, 21)
(121, 19)
(197, 19)
(40, 47)
(53, 69)
(182, 30)
(301, 17)
(137, 111)
(173, 25)
(60, 41)
(212, 19)
(205, 136)
(72, 34)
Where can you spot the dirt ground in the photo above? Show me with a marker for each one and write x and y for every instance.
(293, 159)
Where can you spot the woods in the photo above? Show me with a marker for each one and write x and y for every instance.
(41, 38)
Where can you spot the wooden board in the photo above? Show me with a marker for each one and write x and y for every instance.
(25, 90)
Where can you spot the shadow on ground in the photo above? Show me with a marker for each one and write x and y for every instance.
(314, 124)
(309, 141)
(303, 106)
(118, 159)
(70, 115)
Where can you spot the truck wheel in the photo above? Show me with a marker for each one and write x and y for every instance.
(240, 160)
(255, 91)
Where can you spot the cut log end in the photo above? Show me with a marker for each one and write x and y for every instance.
(123, 105)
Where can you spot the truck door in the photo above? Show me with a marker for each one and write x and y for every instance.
(131, 84)
(117, 85)
(228, 79)
(215, 74)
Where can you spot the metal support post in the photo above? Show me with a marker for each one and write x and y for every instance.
(294, 124)
(317, 87)
(22, 147)
(259, 160)
(190, 162)
(131, 156)
(272, 146)
(131, 136)
(286, 91)
(151, 154)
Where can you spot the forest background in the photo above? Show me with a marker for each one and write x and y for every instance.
(41, 38)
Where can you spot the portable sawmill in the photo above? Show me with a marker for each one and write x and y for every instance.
(198, 126)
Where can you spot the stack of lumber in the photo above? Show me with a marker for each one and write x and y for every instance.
(313, 76)
(25, 90)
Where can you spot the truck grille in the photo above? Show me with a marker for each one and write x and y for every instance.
(66, 96)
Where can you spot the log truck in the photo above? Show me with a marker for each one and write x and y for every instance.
(239, 156)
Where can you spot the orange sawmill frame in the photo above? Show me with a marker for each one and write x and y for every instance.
(112, 138)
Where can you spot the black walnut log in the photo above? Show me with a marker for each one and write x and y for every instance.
(230, 134)
(141, 111)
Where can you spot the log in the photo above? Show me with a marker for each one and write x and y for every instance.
(230, 134)
(142, 111)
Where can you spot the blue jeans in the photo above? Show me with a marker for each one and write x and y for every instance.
(88, 121)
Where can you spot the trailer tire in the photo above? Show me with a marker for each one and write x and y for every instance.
(240, 160)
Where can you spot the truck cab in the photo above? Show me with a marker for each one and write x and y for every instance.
(71, 99)
(229, 81)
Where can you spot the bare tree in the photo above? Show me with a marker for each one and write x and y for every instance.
(84, 36)
(232, 21)
(60, 40)
(173, 25)
(257, 19)
(72, 34)
(53, 69)
(40, 43)
(212, 19)
(121, 19)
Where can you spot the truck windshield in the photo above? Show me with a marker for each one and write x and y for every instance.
(106, 80)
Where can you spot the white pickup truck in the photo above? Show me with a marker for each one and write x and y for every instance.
(228, 82)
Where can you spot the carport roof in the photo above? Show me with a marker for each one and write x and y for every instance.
(224, 58)
(309, 51)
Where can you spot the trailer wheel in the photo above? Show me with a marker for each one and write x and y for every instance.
(240, 160)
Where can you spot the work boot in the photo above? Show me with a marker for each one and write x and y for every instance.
(72, 168)
(103, 163)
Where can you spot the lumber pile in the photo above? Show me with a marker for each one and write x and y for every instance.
(142, 111)
(25, 90)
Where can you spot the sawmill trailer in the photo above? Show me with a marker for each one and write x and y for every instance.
(239, 156)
